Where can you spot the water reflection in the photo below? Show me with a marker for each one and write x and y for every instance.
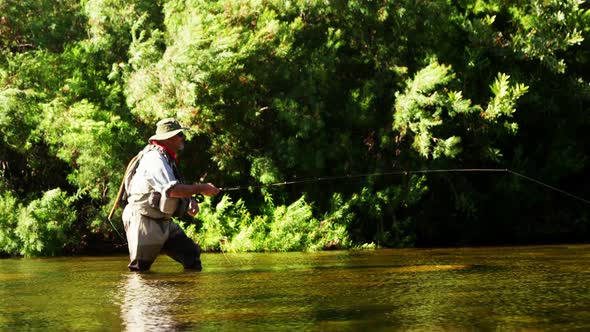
(147, 303)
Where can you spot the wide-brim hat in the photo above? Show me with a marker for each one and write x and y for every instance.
(167, 128)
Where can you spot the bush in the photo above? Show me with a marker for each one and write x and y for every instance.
(230, 226)
(44, 225)
(9, 211)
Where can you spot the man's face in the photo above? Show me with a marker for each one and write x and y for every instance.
(180, 137)
(176, 142)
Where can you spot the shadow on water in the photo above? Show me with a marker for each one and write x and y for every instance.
(542, 288)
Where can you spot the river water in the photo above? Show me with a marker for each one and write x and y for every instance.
(544, 288)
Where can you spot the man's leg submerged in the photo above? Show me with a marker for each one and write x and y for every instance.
(145, 238)
(182, 249)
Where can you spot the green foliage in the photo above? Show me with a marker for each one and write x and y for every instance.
(422, 107)
(279, 90)
(112, 24)
(215, 76)
(382, 216)
(264, 171)
(18, 117)
(10, 208)
(44, 225)
(503, 104)
(546, 28)
(84, 136)
(428, 103)
(32, 24)
(230, 226)
(290, 226)
(220, 222)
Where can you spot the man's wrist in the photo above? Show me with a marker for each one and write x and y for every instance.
(198, 188)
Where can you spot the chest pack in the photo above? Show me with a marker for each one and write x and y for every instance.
(155, 198)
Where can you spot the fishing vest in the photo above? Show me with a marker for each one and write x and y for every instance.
(145, 199)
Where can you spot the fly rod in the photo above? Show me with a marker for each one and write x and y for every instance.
(405, 173)
(422, 171)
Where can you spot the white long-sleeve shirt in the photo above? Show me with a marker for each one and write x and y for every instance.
(153, 173)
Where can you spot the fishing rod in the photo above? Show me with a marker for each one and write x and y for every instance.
(405, 173)
(354, 176)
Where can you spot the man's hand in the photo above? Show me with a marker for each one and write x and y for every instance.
(207, 189)
(193, 207)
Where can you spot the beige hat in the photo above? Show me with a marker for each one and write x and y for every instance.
(167, 128)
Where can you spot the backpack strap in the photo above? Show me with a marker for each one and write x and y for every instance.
(122, 191)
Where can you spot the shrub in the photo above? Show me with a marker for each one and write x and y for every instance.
(43, 226)
(9, 211)
(229, 226)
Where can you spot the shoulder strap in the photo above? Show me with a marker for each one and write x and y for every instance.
(122, 190)
(127, 176)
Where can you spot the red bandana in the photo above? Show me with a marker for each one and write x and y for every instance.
(170, 153)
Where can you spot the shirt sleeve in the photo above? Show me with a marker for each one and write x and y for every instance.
(154, 168)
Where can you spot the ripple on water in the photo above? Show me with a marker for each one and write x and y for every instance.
(429, 268)
(445, 289)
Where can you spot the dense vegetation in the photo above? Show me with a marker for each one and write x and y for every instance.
(279, 90)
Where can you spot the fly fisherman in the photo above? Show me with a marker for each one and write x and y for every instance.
(155, 193)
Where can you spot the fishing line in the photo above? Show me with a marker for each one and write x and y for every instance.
(548, 186)
(423, 171)
(354, 176)
(405, 173)
(117, 231)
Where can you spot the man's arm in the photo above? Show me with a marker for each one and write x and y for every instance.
(187, 190)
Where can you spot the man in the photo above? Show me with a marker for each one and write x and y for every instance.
(155, 194)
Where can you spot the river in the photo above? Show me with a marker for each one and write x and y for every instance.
(544, 288)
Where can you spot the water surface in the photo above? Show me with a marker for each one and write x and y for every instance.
(543, 288)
